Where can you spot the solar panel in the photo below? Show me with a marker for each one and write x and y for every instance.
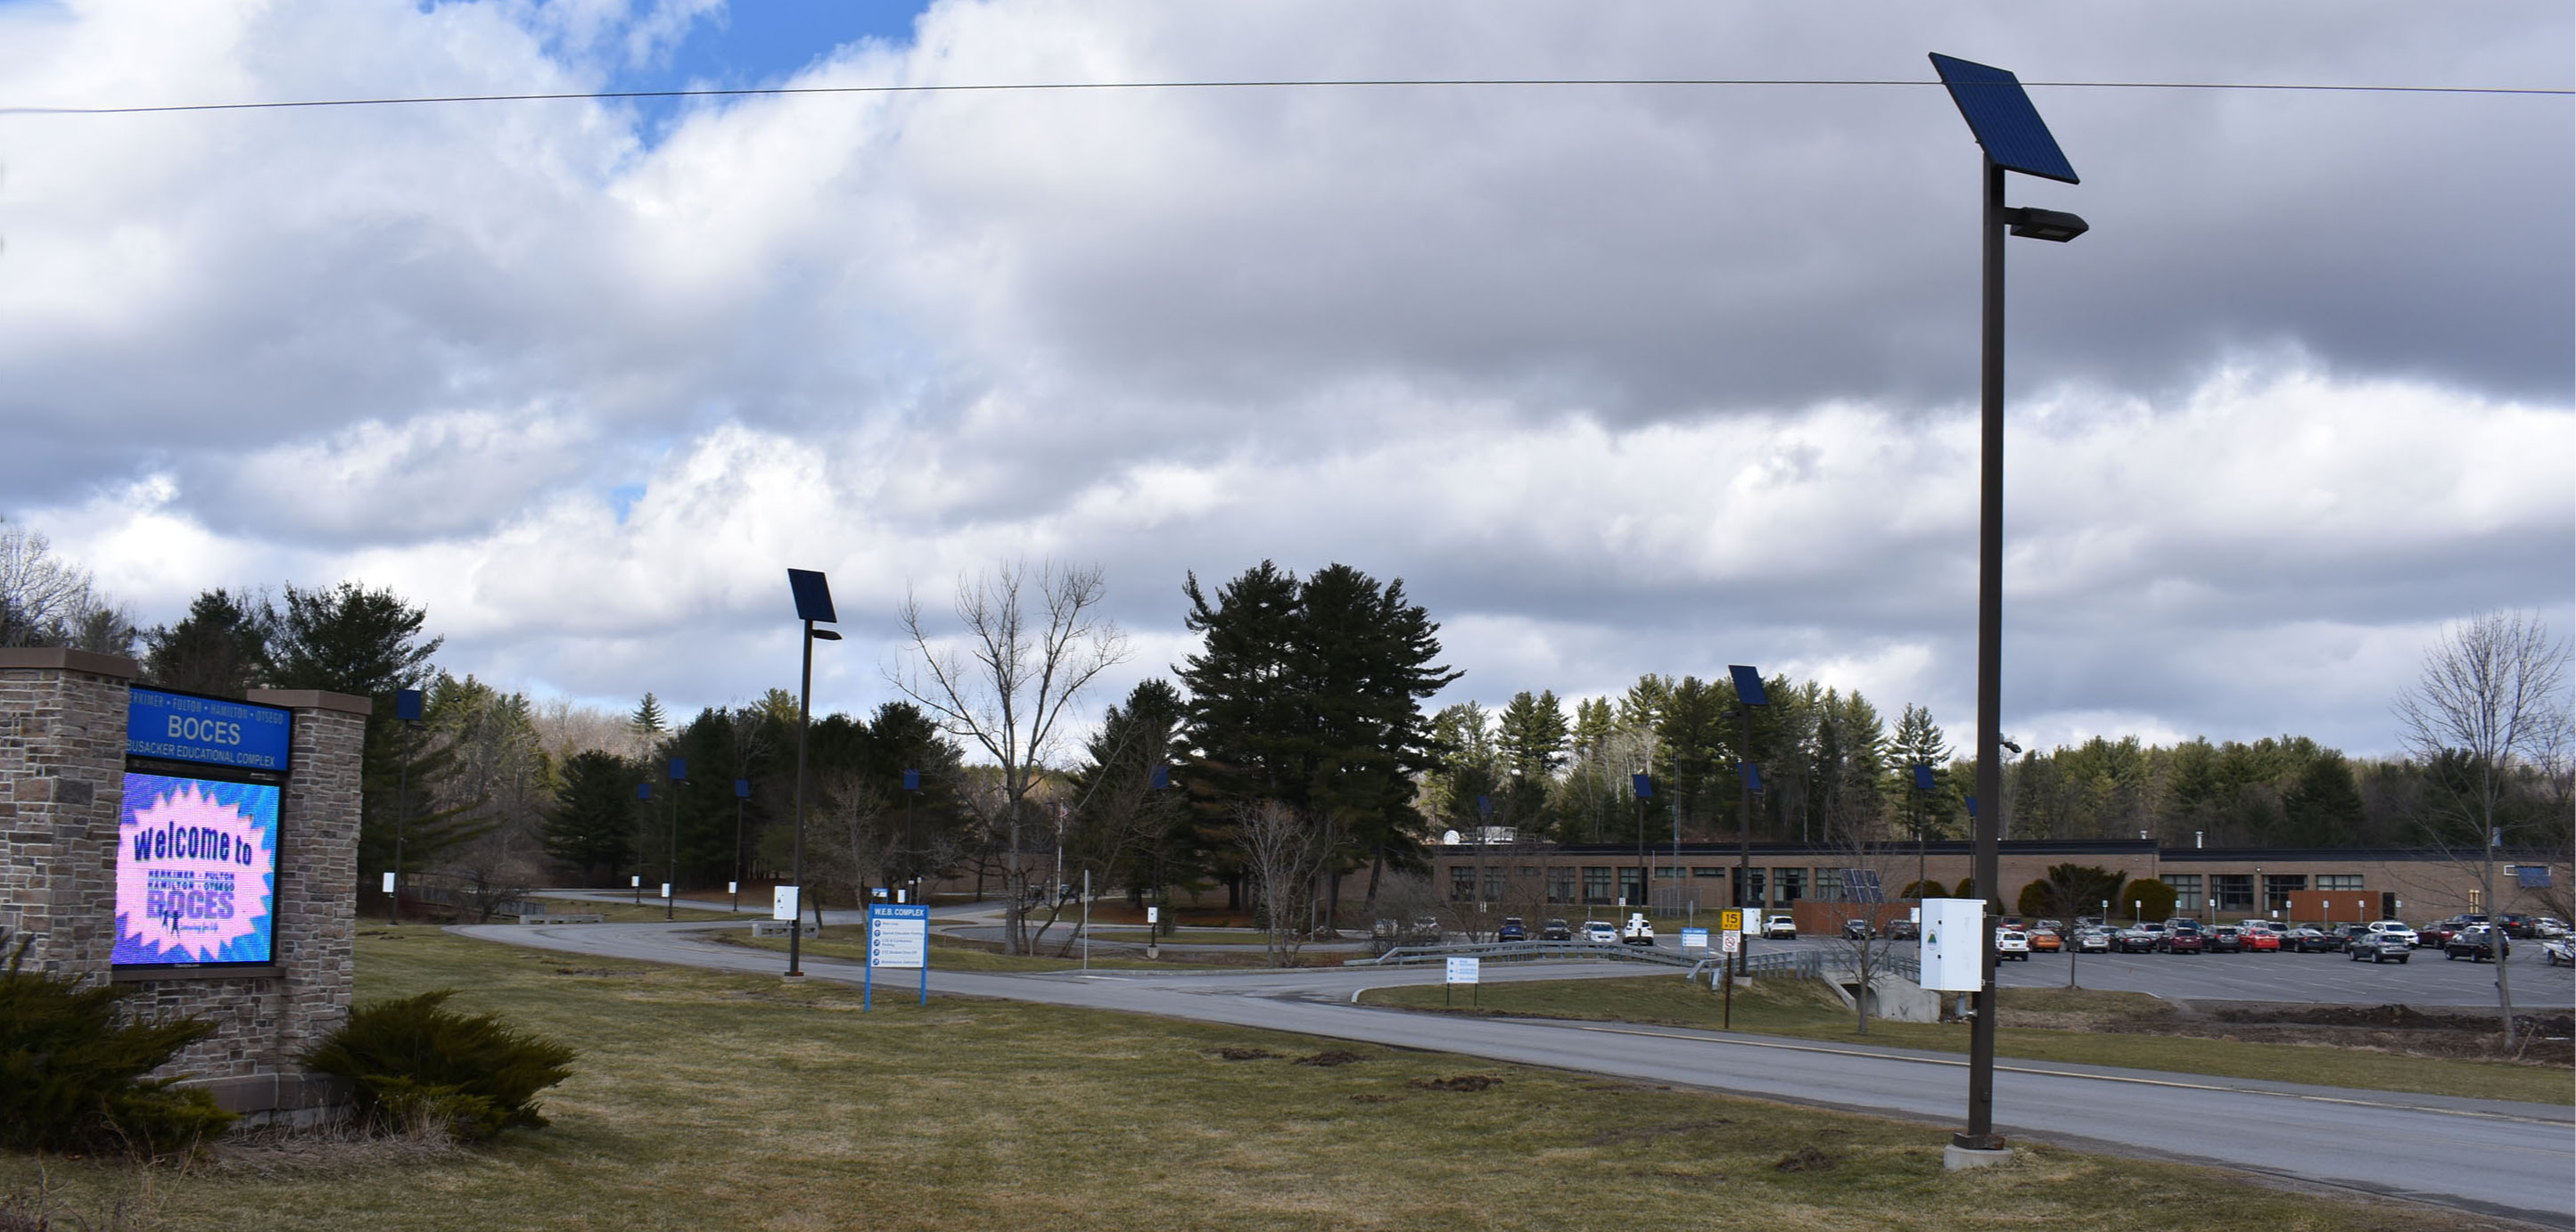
(1860, 885)
(1752, 777)
(813, 595)
(1748, 686)
(2533, 876)
(2000, 114)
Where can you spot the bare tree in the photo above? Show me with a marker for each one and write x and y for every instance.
(1860, 839)
(2492, 700)
(1284, 848)
(1024, 658)
(46, 600)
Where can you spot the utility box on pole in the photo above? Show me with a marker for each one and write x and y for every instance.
(1954, 944)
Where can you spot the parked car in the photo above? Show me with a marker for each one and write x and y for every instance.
(2134, 940)
(2012, 943)
(2548, 926)
(2093, 941)
(1426, 930)
(2395, 927)
(2379, 947)
(1904, 930)
(2437, 934)
(1555, 930)
(2186, 939)
(1781, 926)
(1511, 929)
(2306, 940)
(2558, 952)
(2518, 926)
(2226, 939)
(2046, 941)
(1856, 930)
(1639, 931)
(2051, 926)
(2478, 944)
(1601, 932)
(2262, 941)
(2344, 934)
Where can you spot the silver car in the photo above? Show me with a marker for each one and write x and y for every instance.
(2380, 947)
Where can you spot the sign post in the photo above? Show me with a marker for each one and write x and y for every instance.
(898, 936)
(1461, 971)
(1730, 927)
(1153, 932)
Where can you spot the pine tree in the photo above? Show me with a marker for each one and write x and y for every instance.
(219, 648)
(591, 828)
(349, 639)
(1533, 735)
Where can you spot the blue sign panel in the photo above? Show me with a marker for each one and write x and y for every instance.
(208, 730)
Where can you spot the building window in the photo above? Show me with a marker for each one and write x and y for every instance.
(1560, 885)
(1793, 883)
(1596, 884)
(1708, 872)
(1462, 884)
(1753, 897)
(1494, 887)
(2187, 891)
(1829, 884)
(2347, 882)
(2234, 891)
(2278, 887)
(1632, 886)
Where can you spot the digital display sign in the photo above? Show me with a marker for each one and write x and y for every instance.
(213, 731)
(196, 872)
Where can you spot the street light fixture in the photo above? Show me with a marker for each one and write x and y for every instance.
(1748, 694)
(813, 606)
(2008, 128)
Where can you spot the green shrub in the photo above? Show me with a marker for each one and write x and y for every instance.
(416, 1063)
(2033, 900)
(72, 1075)
(1925, 889)
(2153, 899)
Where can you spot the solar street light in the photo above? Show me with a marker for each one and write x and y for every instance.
(813, 594)
(2008, 128)
(1748, 694)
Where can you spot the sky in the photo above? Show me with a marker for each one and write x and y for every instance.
(1616, 378)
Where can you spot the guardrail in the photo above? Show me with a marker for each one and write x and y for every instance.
(1813, 964)
(1505, 951)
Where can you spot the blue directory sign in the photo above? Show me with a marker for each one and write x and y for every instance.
(210, 731)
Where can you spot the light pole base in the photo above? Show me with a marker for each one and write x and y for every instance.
(794, 978)
(1959, 1158)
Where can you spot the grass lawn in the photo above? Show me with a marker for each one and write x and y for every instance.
(704, 1100)
(949, 954)
(1801, 1010)
(629, 913)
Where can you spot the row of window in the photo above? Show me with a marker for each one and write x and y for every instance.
(2235, 891)
(1607, 884)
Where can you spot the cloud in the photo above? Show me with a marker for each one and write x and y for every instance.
(1619, 379)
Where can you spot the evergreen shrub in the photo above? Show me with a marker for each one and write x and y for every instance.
(416, 1064)
(72, 1074)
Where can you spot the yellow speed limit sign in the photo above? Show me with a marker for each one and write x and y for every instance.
(1730, 921)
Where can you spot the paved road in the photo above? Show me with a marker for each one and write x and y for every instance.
(2507, 1158)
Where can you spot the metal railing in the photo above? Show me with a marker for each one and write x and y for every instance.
(1509, 951)
(1813, 965)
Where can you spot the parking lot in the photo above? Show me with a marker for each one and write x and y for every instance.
(2325, 979)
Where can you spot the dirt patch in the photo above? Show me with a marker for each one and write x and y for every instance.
(1463, 1082)
(1331, 1057)
(1370, 1098)
(1805, 1159)
(1241, 1054)
(594, 971)
(1608, 1137)
(2541, 1039)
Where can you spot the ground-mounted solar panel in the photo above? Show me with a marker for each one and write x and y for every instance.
(1999, 112)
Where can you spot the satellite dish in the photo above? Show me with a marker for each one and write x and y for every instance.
(1448, 838)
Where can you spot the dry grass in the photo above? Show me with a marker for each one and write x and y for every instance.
(704, 1100)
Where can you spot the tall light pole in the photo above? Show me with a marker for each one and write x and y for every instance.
(643, 797)
(1922, 824)
(741, 793)
(1748, 694)
(813, 606)
(407, 709)
(2013, 137)
(671, 888)
(911, 862)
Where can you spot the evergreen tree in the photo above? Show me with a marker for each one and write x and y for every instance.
(591, 828)
(2323, 808)
(1919, 742)
(349, 639)
(220, 648)
(1533, 735)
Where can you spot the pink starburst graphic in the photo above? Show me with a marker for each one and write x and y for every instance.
(192, 874)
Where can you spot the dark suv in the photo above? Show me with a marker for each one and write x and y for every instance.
(2477, 944)
(2185, 940)
(1556, 930)
(1512, 930)
(2225, 939)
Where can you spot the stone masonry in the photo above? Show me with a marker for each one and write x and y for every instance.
(62, 760)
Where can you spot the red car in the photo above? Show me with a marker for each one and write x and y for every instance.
(2261, 939)
(2186, 941)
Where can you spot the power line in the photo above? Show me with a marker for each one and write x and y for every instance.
(1281, 84)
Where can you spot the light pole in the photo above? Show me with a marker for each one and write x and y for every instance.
(1922, 825)
(1643, 785)
(407, 709)
(2014, 138)
(643, 796)
(671, 888)
(741, 793)
(911, 863)
(1748, 694)
(813, 606)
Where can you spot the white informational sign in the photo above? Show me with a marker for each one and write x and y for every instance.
(1954, 944)
(782, 903)
(1462, 971)
(1694, 938)
(1731, 941)
(666, 889)
(898, 936)
(1915, 914)
(1153, 915)
(636, 880)
(733, 887)
(389, 883)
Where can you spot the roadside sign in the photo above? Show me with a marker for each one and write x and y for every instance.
(1730, 921)
(666, 889)
(733, 887)
(389, 883)
(1731, 941)
(1462, 971)
(1153, 915)
(782, 903)
(898, 936)
(1694, 938)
